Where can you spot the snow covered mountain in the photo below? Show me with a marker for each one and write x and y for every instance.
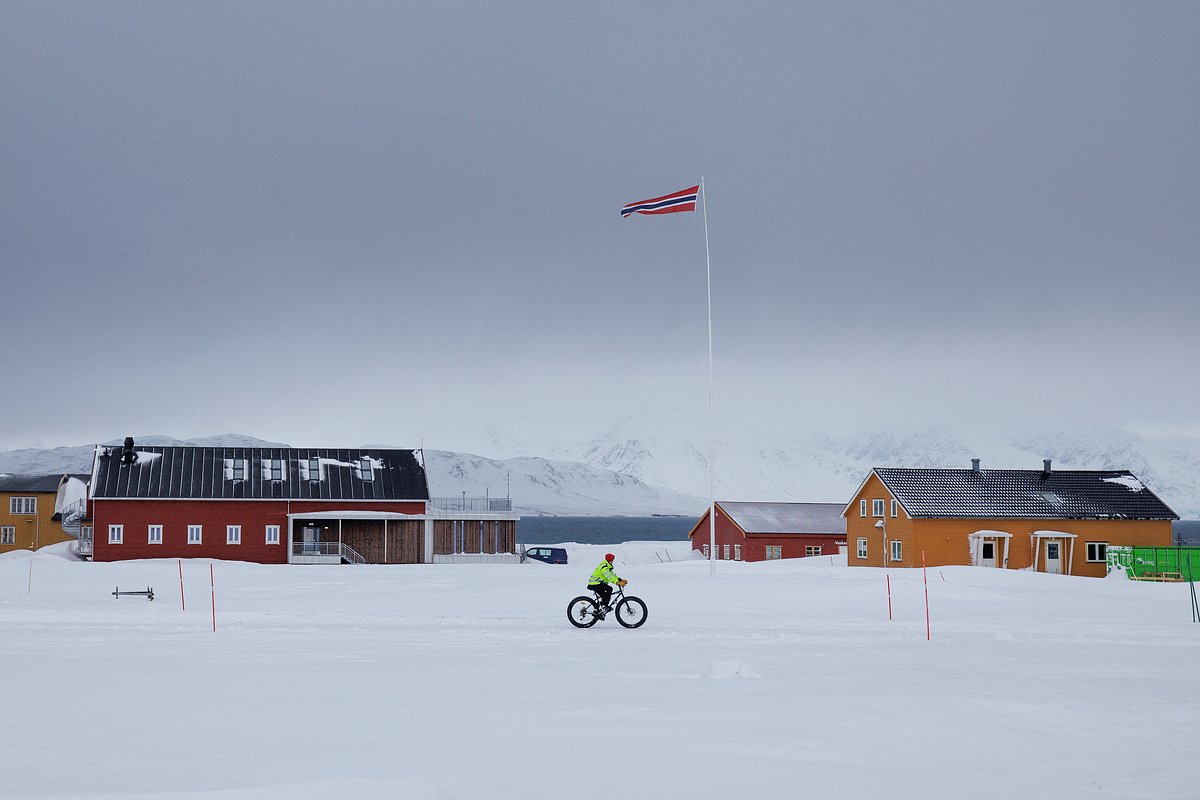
(827, 467)
(538, 486)
(627, 472)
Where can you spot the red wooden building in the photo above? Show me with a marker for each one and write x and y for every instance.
(280, 505)
(764, 531)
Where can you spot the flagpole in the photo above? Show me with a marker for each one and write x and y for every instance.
(712, 499)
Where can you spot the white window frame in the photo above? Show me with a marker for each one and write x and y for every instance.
(366, 469)
(8, 534)
(22, 506)
(233, 534)
(737, 552)
(895, 508)
(897, 547)
(151, 530)
(862, 508)
(1103, 556)
(725, 552)
(198, 530)
(314, 474)
(811, 550)
(774, 552)
(238, 465)
(705, 548)
(272, 534)
(277, 467)
(116, 534)
(877, 507)
(862, 547)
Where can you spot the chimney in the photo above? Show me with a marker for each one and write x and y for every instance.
(127, 454)
(975, 465)
(1045, 468)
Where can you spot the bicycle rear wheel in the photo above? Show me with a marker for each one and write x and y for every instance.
(583, 612)
(631, 612)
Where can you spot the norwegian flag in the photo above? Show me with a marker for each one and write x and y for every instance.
(683, 200)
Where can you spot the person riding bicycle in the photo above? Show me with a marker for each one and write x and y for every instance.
(602, 577)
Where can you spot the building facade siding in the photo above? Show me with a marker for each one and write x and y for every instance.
(945, 541)
(136, 517)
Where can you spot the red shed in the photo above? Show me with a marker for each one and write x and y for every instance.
(763, 531)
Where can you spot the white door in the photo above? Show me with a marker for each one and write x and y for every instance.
(988, 557)
(311, 537)
(1054, 558)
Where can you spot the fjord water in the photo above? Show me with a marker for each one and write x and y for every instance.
(602, 530)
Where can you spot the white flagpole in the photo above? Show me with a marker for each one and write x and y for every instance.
(712, 500)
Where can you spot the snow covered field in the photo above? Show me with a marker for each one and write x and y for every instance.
(775, 680)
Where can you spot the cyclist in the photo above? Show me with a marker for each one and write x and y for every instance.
(602, 577)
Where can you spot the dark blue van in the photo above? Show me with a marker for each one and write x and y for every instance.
(549, 555)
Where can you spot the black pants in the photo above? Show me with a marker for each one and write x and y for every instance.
(602, 589)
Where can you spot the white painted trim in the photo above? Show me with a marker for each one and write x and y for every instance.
(857, 492)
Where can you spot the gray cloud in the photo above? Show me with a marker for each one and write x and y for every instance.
(380, 222)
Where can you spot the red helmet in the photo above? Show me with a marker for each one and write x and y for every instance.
(609, 557)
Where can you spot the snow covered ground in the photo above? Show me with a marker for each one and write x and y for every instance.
(775, 680)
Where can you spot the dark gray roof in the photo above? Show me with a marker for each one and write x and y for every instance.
(30, 483)
(787, 517)
(1023, 493)
(206, 472)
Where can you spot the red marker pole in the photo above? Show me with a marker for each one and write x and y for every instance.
(925, 575)
(213, 588)
(182, 603)
(888, 579)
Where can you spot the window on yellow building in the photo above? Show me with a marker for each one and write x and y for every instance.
(1097, 551)
(862, 548)
(877, 508)
(8, 534)
(22, 505)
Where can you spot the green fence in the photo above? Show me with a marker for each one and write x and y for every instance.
(1157, 563)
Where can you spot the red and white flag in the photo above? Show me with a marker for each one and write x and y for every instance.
(683, 200)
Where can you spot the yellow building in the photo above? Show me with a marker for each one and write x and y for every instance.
(1057, 521)
(27, 517)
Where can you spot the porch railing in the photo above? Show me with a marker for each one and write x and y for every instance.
(351, 555)
(472, 505)
(331, 550)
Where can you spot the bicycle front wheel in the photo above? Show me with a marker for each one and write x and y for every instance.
(582, 612)
(631, 612)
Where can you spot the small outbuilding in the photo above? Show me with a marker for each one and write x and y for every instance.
(750, 531)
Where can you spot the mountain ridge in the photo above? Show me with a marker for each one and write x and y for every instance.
(625, 472)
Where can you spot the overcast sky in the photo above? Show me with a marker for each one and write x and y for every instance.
(353, 223)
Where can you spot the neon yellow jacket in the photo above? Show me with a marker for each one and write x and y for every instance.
(603, 574)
